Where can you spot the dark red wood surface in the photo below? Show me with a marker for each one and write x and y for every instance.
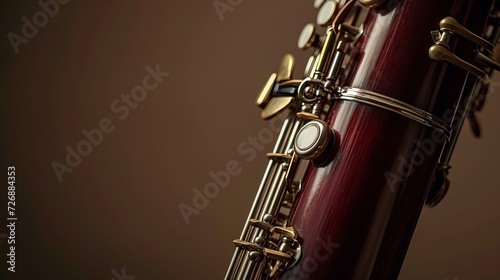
(352, 222)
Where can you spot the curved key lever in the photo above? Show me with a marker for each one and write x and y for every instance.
(286, 68)
(265, 92)
(342, 15)
(281, 258)
(450, 24)
(474, 124)
(486, 61)
(249, 246)
(438, 52)
(279, 90)
(270, 253)
(288, 232)
(275, 106)
(284, 74)
(448, 27)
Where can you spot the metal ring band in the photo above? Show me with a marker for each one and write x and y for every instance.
(393, 105)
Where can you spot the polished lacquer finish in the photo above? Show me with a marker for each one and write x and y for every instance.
(356, 215)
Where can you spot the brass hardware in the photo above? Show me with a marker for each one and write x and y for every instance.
(273, 270)
(308, 37)
(450, 24)
(276, 255)
(326, 13)
(351, 32)
(286, 68)
(436, 36)
(259, 224)
(265, 93)
(482, 59)
(288, 232)
(292, 166)
(439, 186)
(248, 245)
(295, 187)
(438, 52)
(280, 257)
(278, 157)
(291, 162)
(474, 124)
(342, 14)
(306, 116)
(371, 3)
(346, 35)
(285, 255)
(324, 60)
(313, 139)
(311, 64)
(275, 106)
(281, 86)
(269, 245)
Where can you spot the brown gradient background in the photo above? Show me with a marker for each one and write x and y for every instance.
(119, 207)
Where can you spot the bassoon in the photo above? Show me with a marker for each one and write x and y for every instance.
(367, 137)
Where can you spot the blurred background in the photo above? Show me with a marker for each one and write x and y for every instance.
(114, 214)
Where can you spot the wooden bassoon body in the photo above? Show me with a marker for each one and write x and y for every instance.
(369, 133)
